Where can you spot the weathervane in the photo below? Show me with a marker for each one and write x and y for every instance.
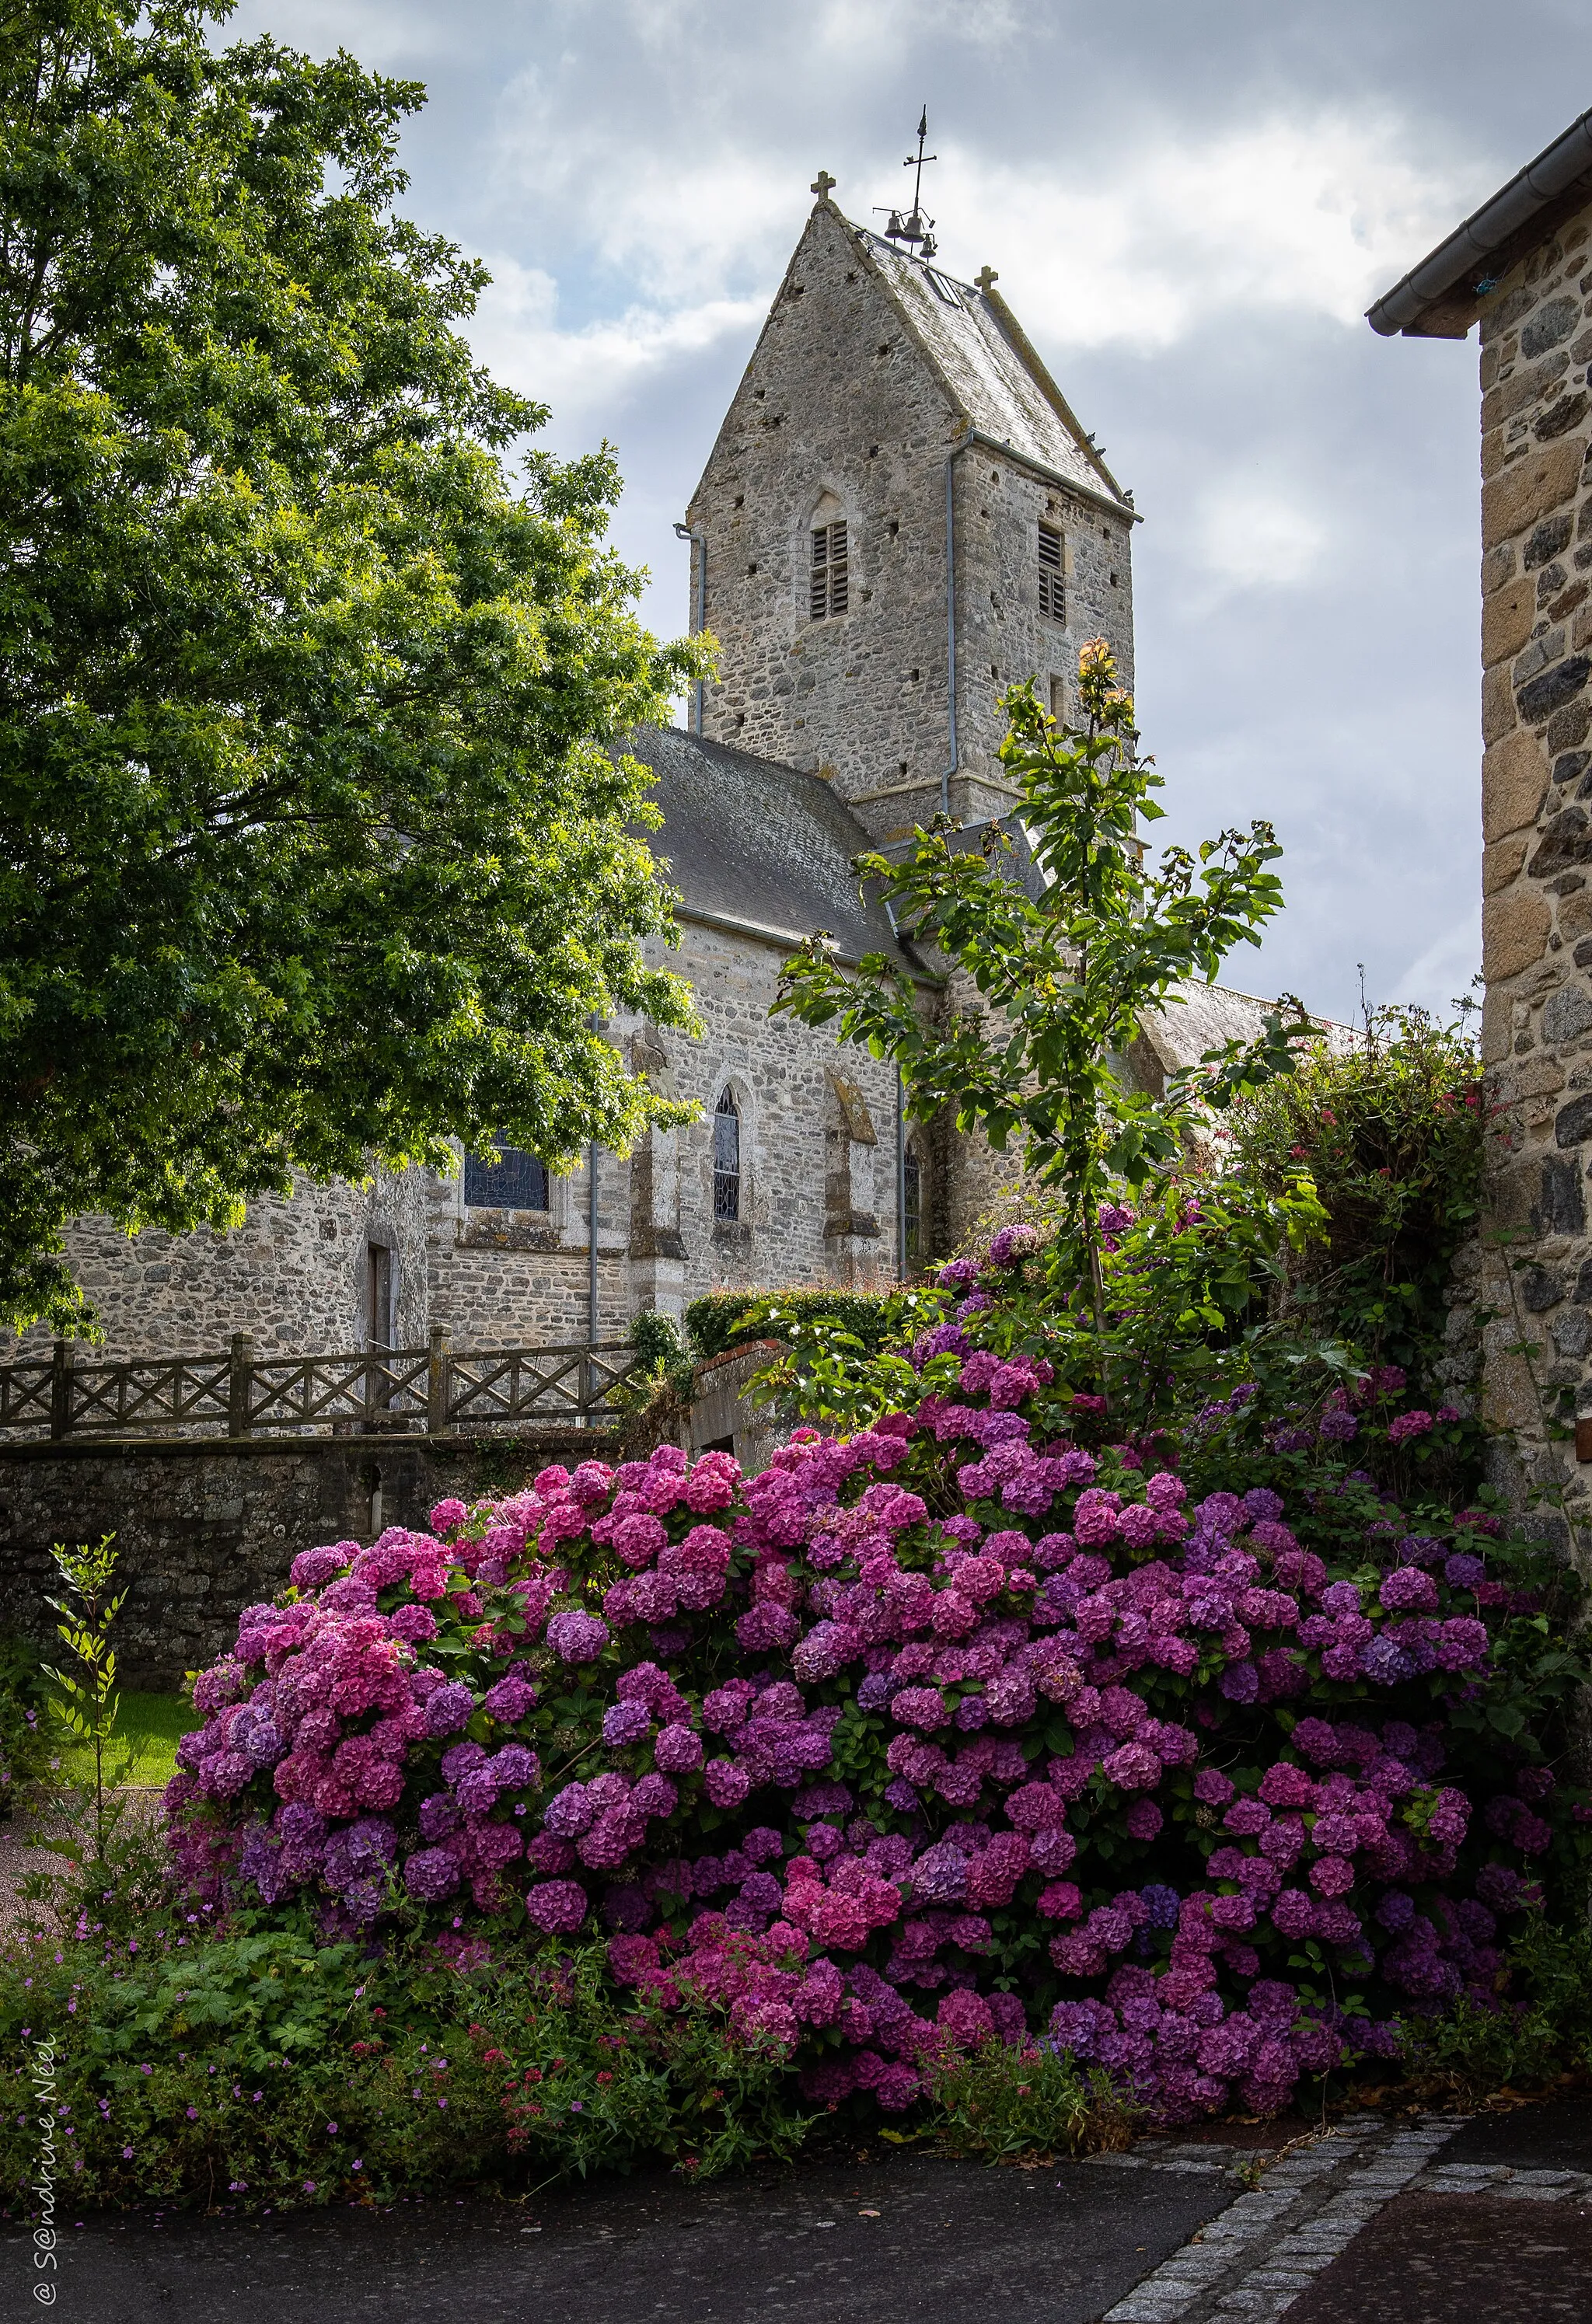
(914, 227)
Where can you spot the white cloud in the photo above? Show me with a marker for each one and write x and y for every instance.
(1309, 211)
(1254, 536)
(595, 368)
(1441, 973)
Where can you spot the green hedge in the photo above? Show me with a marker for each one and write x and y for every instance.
(729, 1319)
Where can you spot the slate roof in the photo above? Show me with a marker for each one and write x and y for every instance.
(994, 375)
(759, 845)
(1205, 1016)
(766, 849)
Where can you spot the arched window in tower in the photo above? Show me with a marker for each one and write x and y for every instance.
(727, 1159)
(830, 584)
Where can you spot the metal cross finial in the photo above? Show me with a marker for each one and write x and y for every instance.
(916, 160)
(821, 185)
(984, 277)
(915, 227)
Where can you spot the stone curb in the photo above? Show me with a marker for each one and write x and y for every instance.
(1254, 2259)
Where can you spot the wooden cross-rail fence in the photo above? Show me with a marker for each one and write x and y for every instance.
(374, 1391)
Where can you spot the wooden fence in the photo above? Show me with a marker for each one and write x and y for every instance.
(377, 1391)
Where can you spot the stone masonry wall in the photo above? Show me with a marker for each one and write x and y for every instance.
(1537, 827)
(838, 400)
(206, 1528)
(295, 1274)
(501, 1278)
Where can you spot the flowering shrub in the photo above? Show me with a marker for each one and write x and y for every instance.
(958, 1730)
(1391, 1132)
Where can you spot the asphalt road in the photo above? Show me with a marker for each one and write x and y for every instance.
(880, 2242)
(1493, 2227)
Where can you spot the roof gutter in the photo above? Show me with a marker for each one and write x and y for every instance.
(698, 541)
(955, 760)
(1463, 260)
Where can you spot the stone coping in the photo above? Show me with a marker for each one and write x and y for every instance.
(593, 1442)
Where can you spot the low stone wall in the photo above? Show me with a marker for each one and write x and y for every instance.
(208, 1525)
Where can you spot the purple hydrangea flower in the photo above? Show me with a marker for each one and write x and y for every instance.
(577, 1637)
(450, 1708)
(626, 1723)
(556, 1907)
(430, 1874)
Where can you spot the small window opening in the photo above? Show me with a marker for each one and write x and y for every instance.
(829, 593)
(514, 1182)
(894, 526)
(1058, 700)
(727, 1159)
(378, 1260)
(913, 1219)
(944, 290)
(1052, 587)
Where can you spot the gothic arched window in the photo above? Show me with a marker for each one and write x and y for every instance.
(514, 1182)
(727, 1159)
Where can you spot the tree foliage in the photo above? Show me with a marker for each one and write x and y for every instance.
(1060, 934)
(314, 849)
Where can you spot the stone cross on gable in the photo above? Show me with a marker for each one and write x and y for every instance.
(821, 185)
(984, 277)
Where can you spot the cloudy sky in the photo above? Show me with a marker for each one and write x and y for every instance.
(1189, 203)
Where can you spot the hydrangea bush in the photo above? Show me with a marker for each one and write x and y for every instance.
(968, 1726)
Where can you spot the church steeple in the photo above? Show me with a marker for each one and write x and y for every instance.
(900, 518)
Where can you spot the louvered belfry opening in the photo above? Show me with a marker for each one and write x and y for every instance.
(1051, 583)
(830, 587)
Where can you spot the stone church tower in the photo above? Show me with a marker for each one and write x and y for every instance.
(901, 516)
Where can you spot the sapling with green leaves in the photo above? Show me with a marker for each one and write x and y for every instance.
(85, 1701)
(1059, 935)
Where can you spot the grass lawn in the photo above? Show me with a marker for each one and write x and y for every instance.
(143, 1751)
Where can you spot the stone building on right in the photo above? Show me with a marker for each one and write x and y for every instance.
(1521, 268)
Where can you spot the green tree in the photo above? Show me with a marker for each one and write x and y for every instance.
(315, 848)
(1055, 953)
